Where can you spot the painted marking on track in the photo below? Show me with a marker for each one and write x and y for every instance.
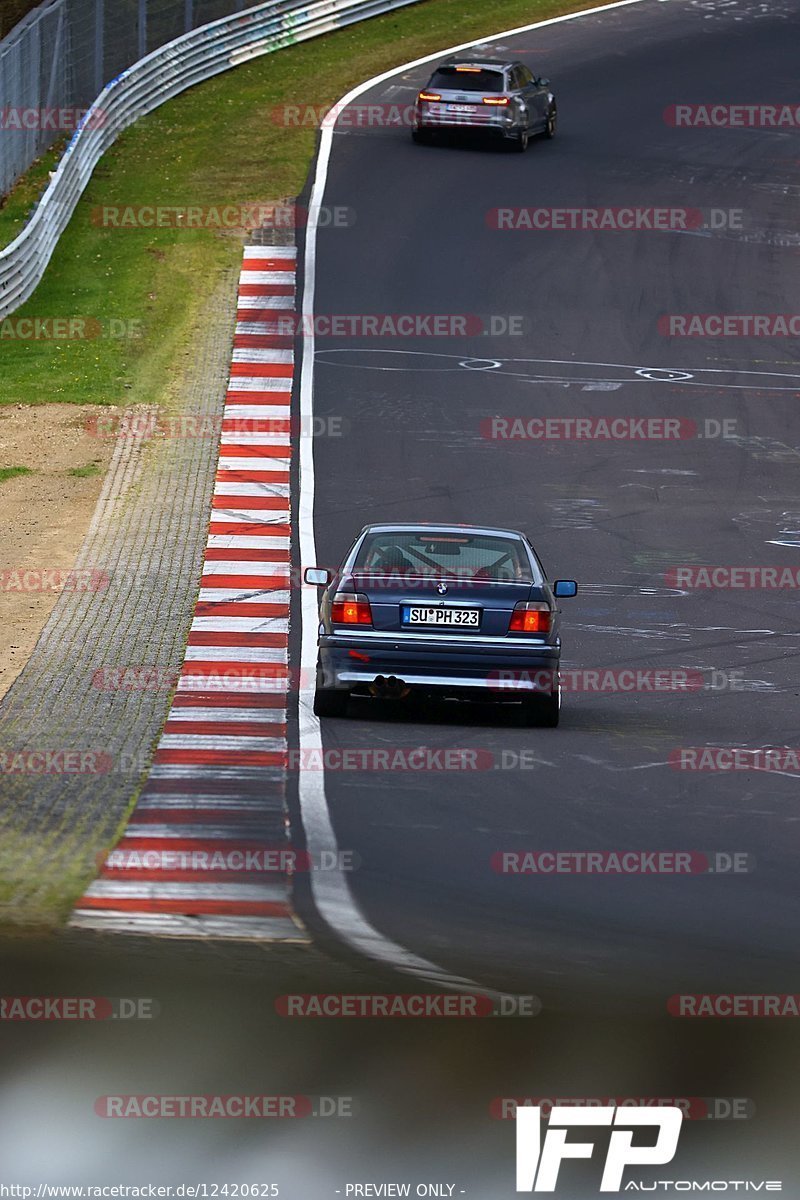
(547, 370)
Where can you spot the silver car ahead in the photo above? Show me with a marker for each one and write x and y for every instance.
(504, 98)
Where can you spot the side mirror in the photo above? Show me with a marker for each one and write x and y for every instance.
(317, 575)
(540, 81)
(565, 588)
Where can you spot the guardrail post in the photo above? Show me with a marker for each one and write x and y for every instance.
(99, 56)
(56, 60)
(35, 69)
(142, 28)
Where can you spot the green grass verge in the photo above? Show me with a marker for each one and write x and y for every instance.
(216, 144)
(7, 473)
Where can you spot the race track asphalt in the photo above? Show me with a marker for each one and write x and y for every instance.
(615, 515)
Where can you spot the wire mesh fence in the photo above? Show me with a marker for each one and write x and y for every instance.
(58, 59)
(151, 80)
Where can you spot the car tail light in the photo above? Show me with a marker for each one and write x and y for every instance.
(530, 618)
(350, 608)
(495, 100)
(429, 96)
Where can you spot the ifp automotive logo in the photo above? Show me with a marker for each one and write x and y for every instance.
(538, 1162)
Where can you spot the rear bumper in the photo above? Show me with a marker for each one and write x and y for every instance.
(353, 662)
(491, 121)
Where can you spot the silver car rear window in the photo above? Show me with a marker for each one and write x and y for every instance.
(467, 79)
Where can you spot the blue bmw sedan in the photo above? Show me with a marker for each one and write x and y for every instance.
(457, 611)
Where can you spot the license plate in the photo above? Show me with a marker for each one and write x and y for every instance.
(469, 617)
(463, 108)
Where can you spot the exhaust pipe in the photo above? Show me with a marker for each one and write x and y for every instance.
(396, 688)
(389, 689)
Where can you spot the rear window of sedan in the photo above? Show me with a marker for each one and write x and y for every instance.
(467, 79)
(443, 555)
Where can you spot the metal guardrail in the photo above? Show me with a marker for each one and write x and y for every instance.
(151, 81)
